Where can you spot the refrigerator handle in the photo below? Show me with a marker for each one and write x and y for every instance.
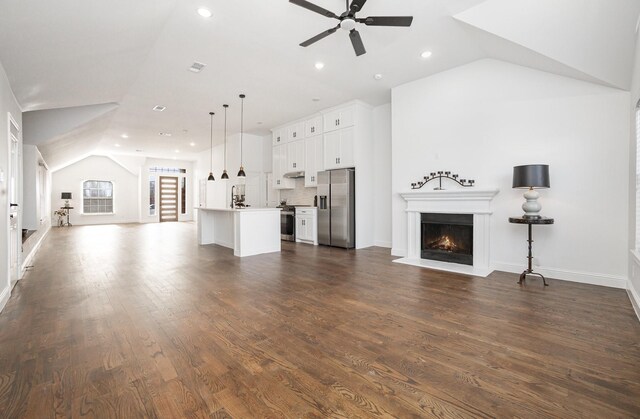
(323, 202)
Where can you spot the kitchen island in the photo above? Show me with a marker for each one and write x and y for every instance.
(248, 231)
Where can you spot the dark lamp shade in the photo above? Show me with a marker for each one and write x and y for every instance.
(241, 172)
(224, 175)
(531, 176)
(211, 178)
(65, 195)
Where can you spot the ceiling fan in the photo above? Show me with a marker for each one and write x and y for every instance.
(348, 22)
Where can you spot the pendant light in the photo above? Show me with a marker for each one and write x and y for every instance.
(211, 178)
(224, 172)
(241, 171)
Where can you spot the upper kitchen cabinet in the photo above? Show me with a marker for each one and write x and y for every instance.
(314, 160)
(340, 118)
(338, 149)
(280, 167)
(295, 132)
(313, 126)
(279, 136)
(295, 156)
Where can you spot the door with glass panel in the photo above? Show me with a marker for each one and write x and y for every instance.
(168, 198)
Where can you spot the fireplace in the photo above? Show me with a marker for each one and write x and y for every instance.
(447, 237)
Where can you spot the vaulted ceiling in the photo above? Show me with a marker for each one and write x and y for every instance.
(128, 56)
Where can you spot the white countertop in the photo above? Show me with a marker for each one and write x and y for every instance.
(250, 209)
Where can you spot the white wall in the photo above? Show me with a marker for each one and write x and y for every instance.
(382, 175)
(8, 104)
(482, 119)
(634, 260)
(125, 190)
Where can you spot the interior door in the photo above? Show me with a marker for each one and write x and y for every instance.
(168, 198)
(14, 179)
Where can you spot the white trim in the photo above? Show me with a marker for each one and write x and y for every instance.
(381, 243)
(604, 280)
(31, 254)
(635, 299)
(4, 297)
(445, 266)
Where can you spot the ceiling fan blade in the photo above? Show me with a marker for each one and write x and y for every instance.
(356, 41)
(356, 5)
(319, 37)
(386, 20)
(314, 8)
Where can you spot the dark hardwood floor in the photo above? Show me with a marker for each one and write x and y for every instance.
(138, 321)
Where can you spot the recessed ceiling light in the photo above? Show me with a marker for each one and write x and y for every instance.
(319, 65)
(192, 144)
(124, 136)
(159, 108)
(117, 145)
(139, 151)
(176, 150)
(165, 134)
(316, 99)
(259, 122)
(377, 76)
(204, 12)
(175, 158)
(426, 54)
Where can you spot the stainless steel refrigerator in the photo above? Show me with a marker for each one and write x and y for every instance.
(337, 208)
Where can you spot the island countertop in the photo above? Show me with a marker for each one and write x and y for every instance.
(248, 231)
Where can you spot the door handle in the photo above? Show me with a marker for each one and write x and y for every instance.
(13, 205)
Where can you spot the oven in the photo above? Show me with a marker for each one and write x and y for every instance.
(288, 224)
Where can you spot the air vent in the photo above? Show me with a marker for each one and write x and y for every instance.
(159, 108)
(197, 67)
(165, 134)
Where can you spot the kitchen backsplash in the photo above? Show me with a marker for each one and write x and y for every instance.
(300, 195)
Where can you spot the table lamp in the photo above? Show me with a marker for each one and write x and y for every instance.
(66, 196)
(531, 176)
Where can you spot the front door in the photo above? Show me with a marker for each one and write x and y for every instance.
(168, 198)
(15, 238)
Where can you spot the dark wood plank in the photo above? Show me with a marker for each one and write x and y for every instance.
(115, 321)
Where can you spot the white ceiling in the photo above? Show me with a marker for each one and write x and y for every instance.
(69, 53)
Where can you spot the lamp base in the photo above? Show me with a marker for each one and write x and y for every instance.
(531, 207)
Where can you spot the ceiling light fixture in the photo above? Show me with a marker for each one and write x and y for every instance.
(124, 136)
(197, 67)
(426, 54)
(316, 99)
(377, 76)
(241, 171)
(117, 145)
(211, 178)
(176, 150)
(319, 65)
(206, 13)
(164, 134)
(192, 144)
(224, 171)
(159, 108)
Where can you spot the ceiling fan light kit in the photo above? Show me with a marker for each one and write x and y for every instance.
(348, 22)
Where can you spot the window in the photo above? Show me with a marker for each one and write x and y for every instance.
(166, 170)
(152, 195)
(638, 176)
(97, 197)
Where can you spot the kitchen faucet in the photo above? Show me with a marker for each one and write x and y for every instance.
(232, 188)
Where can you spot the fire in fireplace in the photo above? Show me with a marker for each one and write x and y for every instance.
(447, 237)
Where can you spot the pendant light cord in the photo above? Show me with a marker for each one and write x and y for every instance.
(225, 137)
(211, 143)
(241, 125)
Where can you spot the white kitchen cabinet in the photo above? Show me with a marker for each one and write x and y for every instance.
(307, 225)
(295, 131)
(314, 160)
(313, 126)
(338, 149)
(280, 168)
(295, 156)
(279, 136)
(339, 118)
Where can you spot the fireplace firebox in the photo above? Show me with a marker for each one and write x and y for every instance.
(447, 237)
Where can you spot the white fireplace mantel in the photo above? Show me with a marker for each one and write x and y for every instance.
(457, 201)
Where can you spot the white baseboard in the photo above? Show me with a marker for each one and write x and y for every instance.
(604, 280)
(398, 252)
(29, 257)
(635, 299)
(382, 244)
(4, 297)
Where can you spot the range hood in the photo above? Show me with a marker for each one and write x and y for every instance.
(293, 175)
